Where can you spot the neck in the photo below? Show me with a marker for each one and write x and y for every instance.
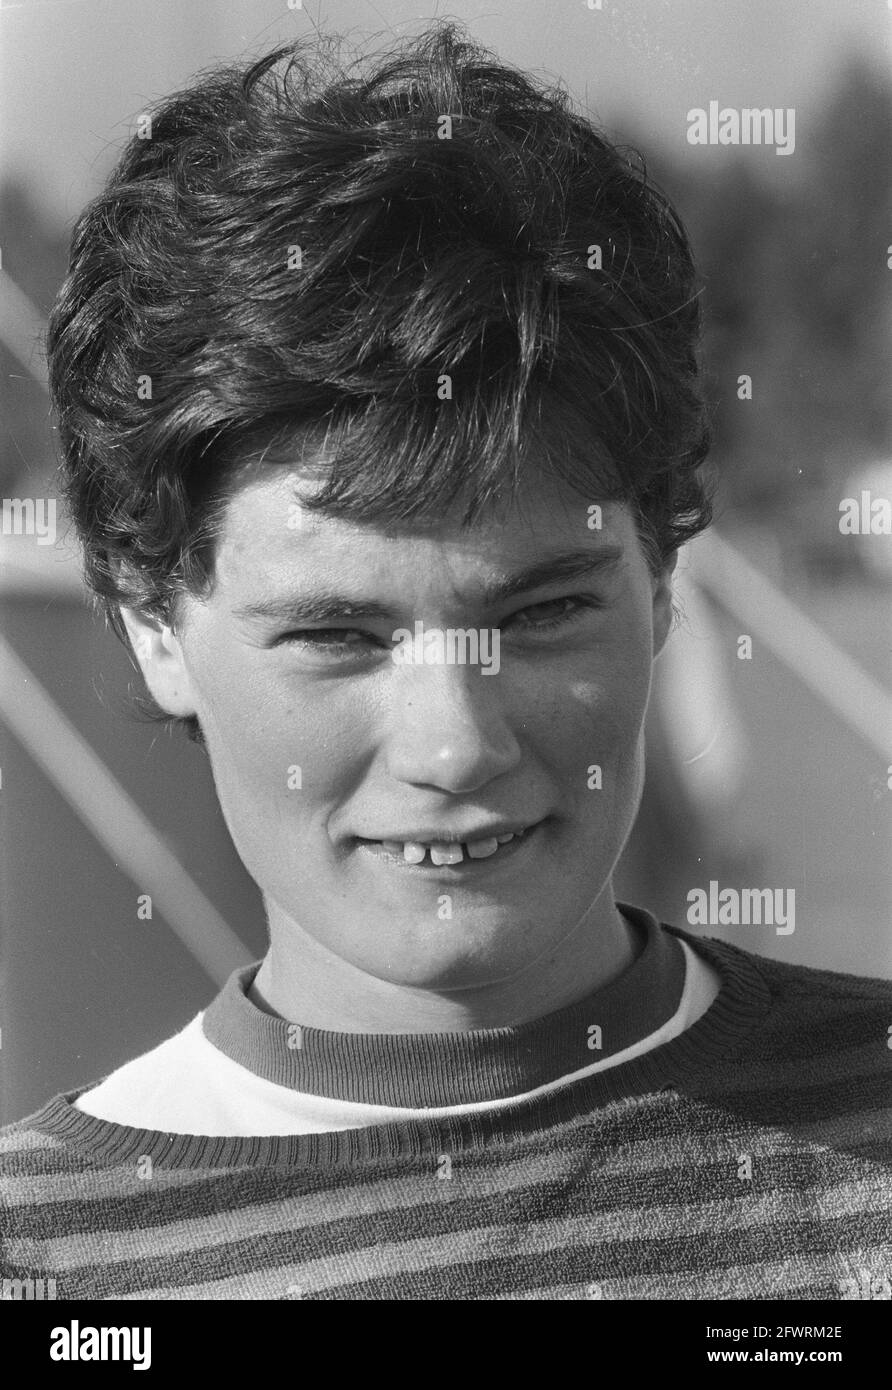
(303, 982)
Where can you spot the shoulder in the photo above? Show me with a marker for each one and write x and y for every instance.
(847, 1010)
(35, 1144)
(801, 985)
(820, 1054)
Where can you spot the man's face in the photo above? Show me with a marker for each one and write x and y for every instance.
(320, 751)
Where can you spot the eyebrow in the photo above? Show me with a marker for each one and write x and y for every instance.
(325, 605)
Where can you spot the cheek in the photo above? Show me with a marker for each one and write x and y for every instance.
(598, 723)
(607, 694)
(279, 755)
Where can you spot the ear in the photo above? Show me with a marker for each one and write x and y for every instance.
(663, 611)
(161, 660)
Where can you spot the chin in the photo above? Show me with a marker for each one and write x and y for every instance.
(446, 965)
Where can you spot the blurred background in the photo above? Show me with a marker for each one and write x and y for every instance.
(770, 772)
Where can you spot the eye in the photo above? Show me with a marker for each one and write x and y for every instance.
(320, 639)
(331, 641)
(579, 603)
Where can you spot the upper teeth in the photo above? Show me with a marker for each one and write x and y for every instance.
(446, 852)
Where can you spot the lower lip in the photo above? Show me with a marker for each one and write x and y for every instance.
(466, 868)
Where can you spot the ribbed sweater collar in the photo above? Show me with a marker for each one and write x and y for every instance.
(691, 1063)
(430, 1069)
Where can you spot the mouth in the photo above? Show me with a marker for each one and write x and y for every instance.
(451, 858)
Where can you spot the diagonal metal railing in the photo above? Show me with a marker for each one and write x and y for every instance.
(828, 671)
(114, 818)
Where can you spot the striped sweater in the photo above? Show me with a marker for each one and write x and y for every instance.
(750, 1157)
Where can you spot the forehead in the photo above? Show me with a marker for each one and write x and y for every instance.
(269, 538)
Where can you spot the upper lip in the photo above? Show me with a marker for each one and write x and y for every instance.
(450, 837)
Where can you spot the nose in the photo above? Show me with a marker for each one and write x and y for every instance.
(449, 728)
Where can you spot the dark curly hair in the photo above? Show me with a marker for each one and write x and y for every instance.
(299, 251)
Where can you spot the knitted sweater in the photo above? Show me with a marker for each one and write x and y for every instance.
(748, 1157)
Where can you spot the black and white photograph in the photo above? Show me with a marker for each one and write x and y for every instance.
(445, 633)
